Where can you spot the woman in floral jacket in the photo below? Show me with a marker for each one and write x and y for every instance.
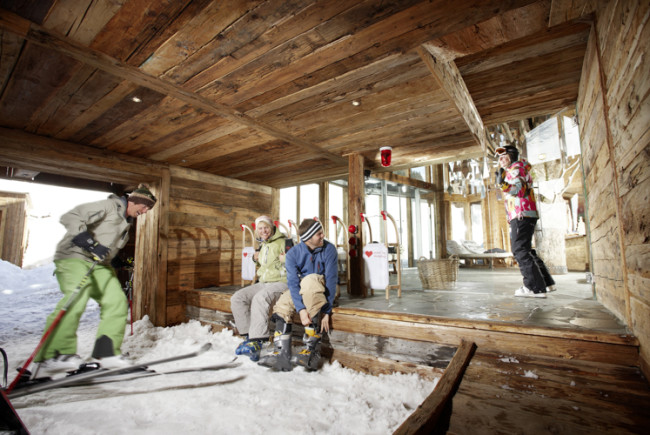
(513, 177)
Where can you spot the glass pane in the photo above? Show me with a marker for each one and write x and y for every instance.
(419, 173)
(309, 202)
(373, 208)
(457, 222)
(288, 201)
(336, 209)
(425, 231)
(477, 222)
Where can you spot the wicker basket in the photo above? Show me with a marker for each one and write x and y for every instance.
(435, 274)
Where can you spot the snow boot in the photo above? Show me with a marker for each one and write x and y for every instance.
(309, 357)
(280, 358)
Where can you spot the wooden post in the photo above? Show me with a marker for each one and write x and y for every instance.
(356, 206)
(324, 206)
(409, 232)
(440, 215)
(275, 204)
(150, 274)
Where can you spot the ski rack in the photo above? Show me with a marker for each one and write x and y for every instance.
(398, 265)
(344, 278)
(245, 228)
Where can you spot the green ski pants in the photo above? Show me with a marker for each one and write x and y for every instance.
(103, 286)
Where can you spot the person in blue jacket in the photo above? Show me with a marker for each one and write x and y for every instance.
(312, 275)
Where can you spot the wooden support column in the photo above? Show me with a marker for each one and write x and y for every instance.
(440, 214)
(275, 204)
(324, 206)
(150, 273)
(356, 206)
(409, 231)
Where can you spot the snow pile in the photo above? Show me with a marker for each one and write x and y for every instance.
(245, 399)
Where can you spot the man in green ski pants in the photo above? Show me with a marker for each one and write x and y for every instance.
(95, 232)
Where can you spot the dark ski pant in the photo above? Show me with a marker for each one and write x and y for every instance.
(532, 268)
(104, 287)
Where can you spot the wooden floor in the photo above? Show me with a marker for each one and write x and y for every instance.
(563, 364)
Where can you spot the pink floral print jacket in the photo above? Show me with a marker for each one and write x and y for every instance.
(518, 187)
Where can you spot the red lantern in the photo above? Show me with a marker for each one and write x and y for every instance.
(386, 153)
(353, 252)
(353, 229)
(352, 241)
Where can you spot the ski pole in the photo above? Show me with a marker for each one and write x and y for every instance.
(54, 324)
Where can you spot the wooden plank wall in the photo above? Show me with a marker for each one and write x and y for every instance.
(13, 218)
(204, 238)
(614, 113)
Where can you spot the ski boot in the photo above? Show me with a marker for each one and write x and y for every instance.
(242, 345)
(309, 357)
(251, 348)
(280, 358)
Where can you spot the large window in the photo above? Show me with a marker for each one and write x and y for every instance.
(298, 203)
(397, 208)
(309, 203)
(336, 209)
(477, 222)
(458, 228)
(288, 205)
(423, 237)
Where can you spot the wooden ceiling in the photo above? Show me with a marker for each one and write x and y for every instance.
(263, 91)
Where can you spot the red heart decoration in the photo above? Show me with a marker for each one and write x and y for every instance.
(368, 254)
(245, 254)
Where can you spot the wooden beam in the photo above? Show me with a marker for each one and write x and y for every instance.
(491, 337)
(424, 419)
(324, 206)
(376, 366)
(566, 10)
(29, 151)
(451, 82)
(390, 176)
(356, 206)
(68, 47)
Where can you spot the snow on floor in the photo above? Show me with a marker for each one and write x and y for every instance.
(245, 399)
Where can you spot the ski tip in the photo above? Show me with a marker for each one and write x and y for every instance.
(205, 347)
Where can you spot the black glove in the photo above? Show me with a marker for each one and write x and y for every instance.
(500, 176)
(86, 242)
(118, 263)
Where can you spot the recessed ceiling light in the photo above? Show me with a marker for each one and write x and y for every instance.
(136, 100)
(355, 103)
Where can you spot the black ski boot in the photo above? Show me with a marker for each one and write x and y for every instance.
(309, 357)
(280, 358)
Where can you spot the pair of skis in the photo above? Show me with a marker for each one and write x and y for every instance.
(110, 375)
